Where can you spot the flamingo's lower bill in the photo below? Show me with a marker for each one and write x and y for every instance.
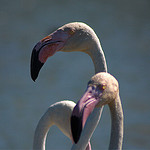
(82, 111)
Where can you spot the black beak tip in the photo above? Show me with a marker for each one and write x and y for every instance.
(33, 77)
(76, 128)
(35, 65)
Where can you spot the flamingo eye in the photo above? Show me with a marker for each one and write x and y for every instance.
(102, 87)
(71, 32)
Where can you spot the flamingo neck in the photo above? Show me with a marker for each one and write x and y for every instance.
(116, 125)
(57, 114)
(41, 131)
(96, 53)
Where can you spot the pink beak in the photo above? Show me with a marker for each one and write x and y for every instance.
(45, 48)
(83, 109)
(40, 53)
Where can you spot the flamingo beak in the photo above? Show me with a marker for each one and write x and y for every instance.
(82, 110)
(35, 64)
(45, 48)
(42, 50)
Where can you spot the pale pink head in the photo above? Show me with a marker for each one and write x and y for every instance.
(70, 37)
(102, 89)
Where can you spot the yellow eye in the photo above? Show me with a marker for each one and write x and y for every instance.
(102, 87)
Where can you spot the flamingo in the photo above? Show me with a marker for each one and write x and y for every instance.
(59, 114)
(102, 89)
(74, 36)
(71, 37)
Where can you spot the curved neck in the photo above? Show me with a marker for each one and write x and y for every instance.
(117, 124)
(96, 53)
(41, 131)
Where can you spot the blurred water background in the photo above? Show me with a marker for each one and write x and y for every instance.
(124, 30)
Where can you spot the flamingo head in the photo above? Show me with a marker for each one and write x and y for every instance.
(101, 90)
(70, 37)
